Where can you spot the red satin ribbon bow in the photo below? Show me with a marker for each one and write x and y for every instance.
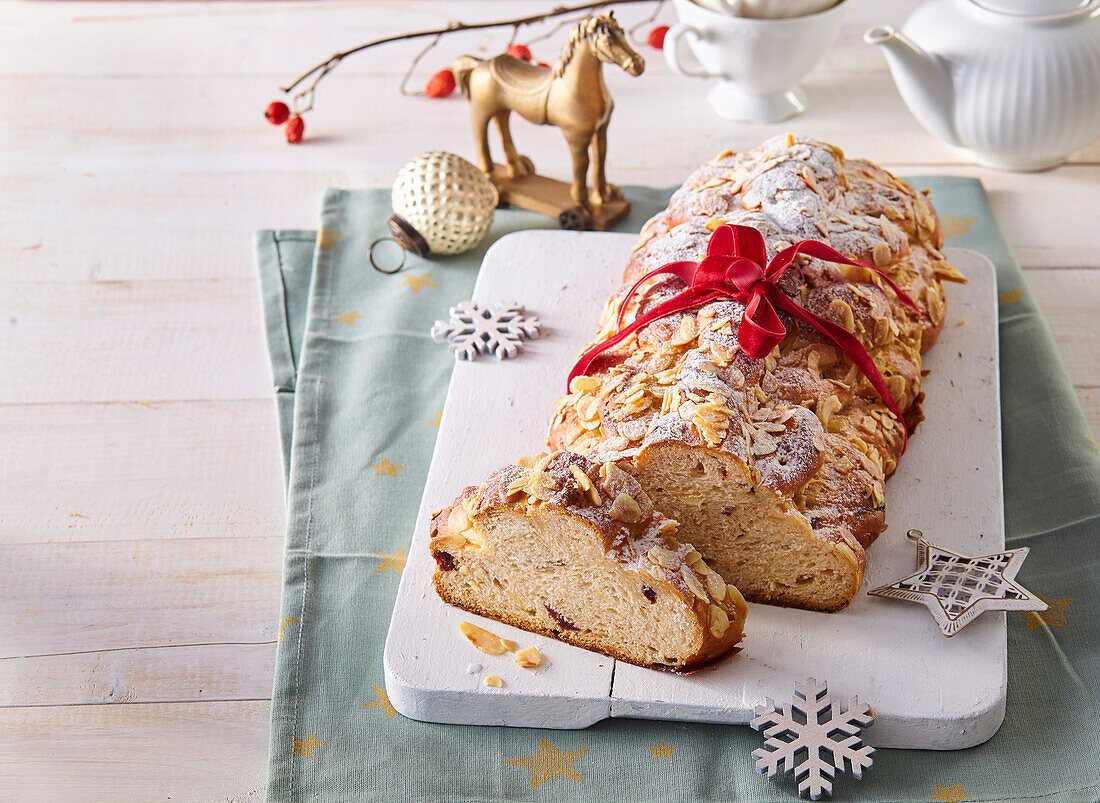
(734, 268)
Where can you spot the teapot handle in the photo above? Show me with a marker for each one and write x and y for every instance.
(672, 47)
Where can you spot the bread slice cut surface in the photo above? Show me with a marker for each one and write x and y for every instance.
(574, 550)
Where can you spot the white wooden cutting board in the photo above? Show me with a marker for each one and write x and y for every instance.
(926, 691)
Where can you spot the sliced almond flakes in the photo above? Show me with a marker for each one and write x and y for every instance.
(528, 658)
(486, 641)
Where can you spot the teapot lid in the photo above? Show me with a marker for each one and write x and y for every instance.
(1034, 8)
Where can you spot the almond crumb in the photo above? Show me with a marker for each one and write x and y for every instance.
(694, 584)
(583, 480)
(584, 384)
(486, 641)
(625, 508)
(494, 681)
(719, 622)
(530, 460)
(665, 558)
(881, 254)
(528, 658)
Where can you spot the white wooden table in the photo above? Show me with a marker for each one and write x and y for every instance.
(141, 507)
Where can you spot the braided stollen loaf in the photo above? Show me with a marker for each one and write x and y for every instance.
(774, 468)
(567, 548)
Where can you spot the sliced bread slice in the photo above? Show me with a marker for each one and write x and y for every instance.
(575, 550)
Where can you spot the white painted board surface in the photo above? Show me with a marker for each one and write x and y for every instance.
(926, 691)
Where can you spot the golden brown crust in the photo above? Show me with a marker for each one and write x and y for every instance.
(805, 420)
(607, 504)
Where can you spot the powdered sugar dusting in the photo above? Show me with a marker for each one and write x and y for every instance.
(806, 406)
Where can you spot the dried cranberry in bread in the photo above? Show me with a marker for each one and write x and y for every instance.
(774, 468)
(566, 548)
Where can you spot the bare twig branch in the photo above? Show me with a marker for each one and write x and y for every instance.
(325, 67)
(409, 72)
(561, 24)
(656, 10)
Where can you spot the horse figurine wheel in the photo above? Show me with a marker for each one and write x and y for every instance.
(571, 96)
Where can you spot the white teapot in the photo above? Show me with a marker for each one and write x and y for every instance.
(1015, 84)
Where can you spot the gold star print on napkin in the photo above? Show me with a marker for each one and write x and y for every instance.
(1012, 296)
(396, 561)
(435, 422)
(305, 747)
(382, 702)
(950, 794)
(548, 761)
(326, 238)
(661, 751)
(418, 283)
(386, 468)
(1053, 616)
(956, 226)
(284, 623)
(348, 317)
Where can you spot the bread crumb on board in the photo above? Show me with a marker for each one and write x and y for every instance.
(528, 658)
(494, 681)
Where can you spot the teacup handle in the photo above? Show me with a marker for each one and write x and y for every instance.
(672, 48)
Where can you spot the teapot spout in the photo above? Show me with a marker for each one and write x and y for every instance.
(923, 79)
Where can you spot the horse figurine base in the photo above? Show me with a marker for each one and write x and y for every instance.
(572, 96)
(551, 197)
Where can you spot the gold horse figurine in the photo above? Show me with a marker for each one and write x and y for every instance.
(571, 96)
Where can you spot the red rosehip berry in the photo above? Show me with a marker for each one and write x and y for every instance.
(440, 85)
(276, 112)
(520, 52)
(656, 37)
(295, 129)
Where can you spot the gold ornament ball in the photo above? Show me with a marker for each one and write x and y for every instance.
(446, 200)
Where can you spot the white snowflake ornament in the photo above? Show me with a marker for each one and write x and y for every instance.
(498, 329)
(799, 732)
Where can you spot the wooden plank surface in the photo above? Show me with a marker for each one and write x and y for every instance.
(140, 539)
(122, 595)
(172, 459)
(214, 751)
(126, 340)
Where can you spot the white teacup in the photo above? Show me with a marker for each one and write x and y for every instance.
(759, 61)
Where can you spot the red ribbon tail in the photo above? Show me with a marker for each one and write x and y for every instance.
(585, 362)
(821, 251)
(683, 270)
(686, 300)
(851, 346)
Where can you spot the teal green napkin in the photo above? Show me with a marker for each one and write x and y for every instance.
(359, 386)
